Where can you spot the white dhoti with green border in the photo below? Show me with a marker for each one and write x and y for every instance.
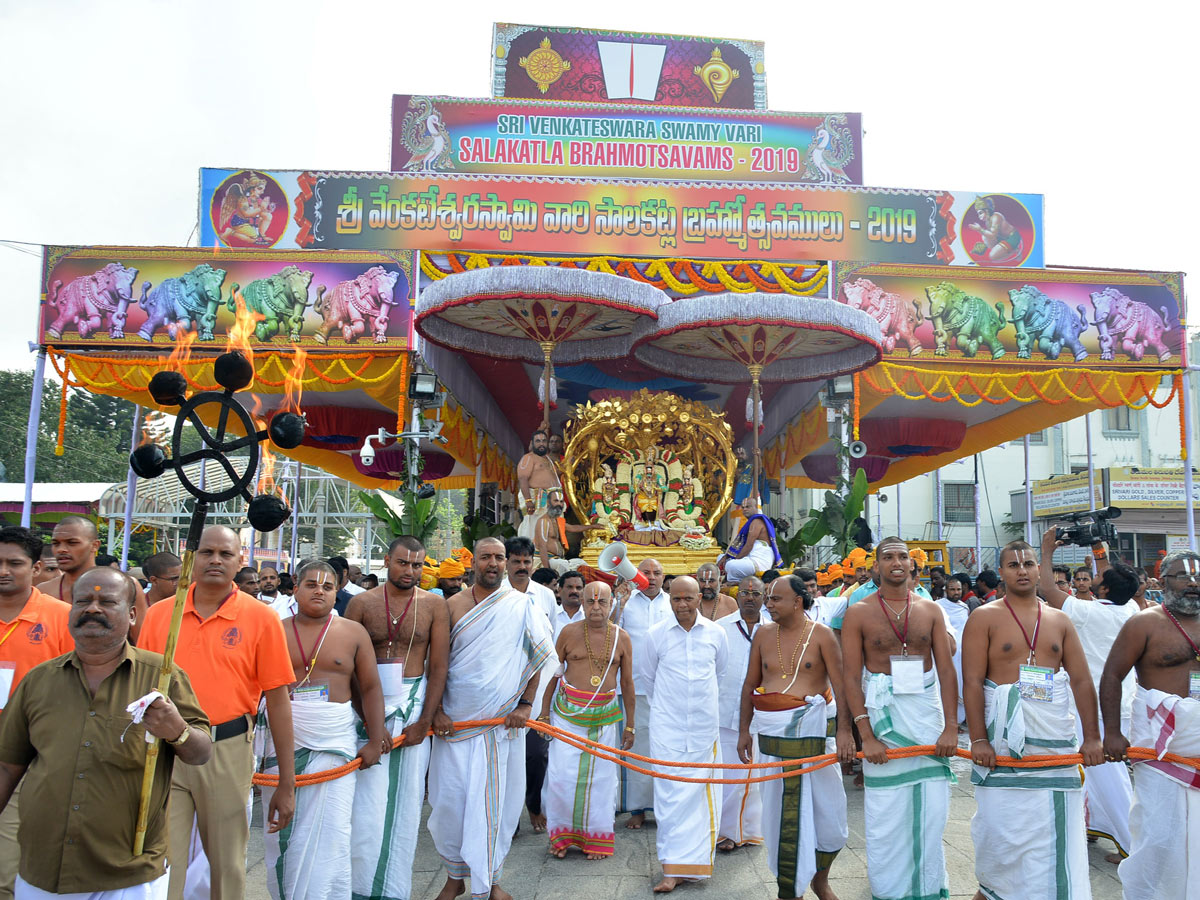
(906, 801)
(1029, 831)
(387, 802)
(310, 856)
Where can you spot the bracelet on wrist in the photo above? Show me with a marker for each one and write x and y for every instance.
(524, 702)
(978, 740)
(859, 718)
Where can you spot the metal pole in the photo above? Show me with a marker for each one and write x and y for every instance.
(899, 521)
(1091, 469)
(978, 536)
(369, 537)
(937, 501)
(130, 491)
(1185, 399)
(295, 521)
(253, 533)
(1028, 494)
(31, 437)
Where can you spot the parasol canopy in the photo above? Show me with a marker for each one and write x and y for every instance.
(545, 314)
(729, 337)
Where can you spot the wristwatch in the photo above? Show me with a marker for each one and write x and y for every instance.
(183, 738)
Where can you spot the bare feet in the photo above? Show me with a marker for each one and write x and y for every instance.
(596, 856)
(726, 845)
(666, 885)
(1114, 858)
(858, 779)
(499, 893)
(538, 821)
(637, 820)
(820, 886)
(561, 854)
(453, 887)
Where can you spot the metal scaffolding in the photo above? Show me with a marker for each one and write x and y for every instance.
(328, 519)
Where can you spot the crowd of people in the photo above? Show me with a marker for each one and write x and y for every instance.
(293, 674)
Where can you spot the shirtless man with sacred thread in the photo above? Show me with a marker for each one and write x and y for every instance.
(536, 475)
(792, 701)
(328, 654)
(596, 655)
(1021, 657)
(410, 631)
(893, 641)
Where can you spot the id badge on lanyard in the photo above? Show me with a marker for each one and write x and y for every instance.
(8, 671)
(317, 692)
(1037, 683)
(1194, 685)
(908, 674)
(391, 676)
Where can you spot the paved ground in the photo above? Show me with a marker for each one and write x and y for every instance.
(531, 874)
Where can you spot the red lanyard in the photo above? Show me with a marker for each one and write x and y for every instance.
(308, 666)
(1032, 645)
(393, 629)
(1186, 636)
(901, 636)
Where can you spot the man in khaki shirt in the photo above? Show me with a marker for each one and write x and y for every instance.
(67, 731)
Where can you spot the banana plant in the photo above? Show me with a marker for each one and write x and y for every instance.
(841, 518)
(416, 517)
(476, 528)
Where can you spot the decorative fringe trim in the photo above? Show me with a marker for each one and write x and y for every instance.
(622, 302)
(741, 312)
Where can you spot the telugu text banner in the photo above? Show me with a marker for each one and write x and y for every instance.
(574, 216)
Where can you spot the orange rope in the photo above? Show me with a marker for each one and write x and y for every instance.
(789, 768)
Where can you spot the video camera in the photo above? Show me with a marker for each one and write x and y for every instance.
(1091, 527)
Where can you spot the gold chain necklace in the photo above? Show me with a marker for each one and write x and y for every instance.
(594, 663)
(795, 650)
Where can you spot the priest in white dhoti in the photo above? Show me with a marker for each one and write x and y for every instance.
(641, 611)
(1163, 644)
(498, 644)
(686, 657)
(741, 805)
(754, 550)
(310, 857)
(1108, 793)
(902, 692)
(1022, 666)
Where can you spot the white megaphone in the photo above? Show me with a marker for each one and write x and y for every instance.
(614, 562)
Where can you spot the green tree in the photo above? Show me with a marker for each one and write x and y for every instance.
(95, 440)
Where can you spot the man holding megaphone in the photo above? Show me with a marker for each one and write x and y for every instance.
(646, 606)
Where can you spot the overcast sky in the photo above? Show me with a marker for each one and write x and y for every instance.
(108, 109)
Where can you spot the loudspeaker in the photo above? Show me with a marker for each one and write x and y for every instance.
(858, 449)
(613, 561)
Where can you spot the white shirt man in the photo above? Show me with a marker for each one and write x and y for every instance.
(741, 805)
(686, 659)
(642, 611)
(571, 588)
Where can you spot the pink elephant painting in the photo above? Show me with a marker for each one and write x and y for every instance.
(92, 302)
(356, 305)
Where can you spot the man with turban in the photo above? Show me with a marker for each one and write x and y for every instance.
(450, 576)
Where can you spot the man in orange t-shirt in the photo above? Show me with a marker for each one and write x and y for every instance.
(234, 651)
(33, 629)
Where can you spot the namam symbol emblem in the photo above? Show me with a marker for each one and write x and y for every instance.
(716, 75)
(544, 66)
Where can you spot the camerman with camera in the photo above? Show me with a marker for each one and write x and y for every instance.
(1098, 621)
